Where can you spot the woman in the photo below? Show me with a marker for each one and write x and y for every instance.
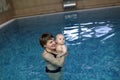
(54, 63)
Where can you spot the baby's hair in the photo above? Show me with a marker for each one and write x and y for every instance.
(59, 35)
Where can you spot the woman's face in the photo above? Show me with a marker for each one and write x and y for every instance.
(50, 44)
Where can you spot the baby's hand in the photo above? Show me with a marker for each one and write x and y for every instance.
(58, 56)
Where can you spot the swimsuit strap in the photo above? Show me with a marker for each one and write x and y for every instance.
(51, 53)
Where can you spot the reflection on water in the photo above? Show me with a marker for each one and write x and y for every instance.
(71, 34)
(78, 32)
(102, 30)
(109, 36)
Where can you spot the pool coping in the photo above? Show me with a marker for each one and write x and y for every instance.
(71, 11)
(11, 20)
(7, 22)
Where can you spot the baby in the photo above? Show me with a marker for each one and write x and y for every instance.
(61, 48)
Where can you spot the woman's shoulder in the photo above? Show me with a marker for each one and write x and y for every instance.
(46, 55)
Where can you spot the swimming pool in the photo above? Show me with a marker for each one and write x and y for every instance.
(92, 37)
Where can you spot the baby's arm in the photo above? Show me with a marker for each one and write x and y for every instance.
(64, 49)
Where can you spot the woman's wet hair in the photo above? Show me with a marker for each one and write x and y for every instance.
(44, 38)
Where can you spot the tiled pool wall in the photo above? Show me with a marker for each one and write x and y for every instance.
(36, 7)
(6, 14)
(110, 9)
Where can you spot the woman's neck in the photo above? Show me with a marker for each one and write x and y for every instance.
(50, 51)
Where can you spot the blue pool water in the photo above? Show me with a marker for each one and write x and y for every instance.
(92, 38)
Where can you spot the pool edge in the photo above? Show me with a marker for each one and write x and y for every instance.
(7, 22)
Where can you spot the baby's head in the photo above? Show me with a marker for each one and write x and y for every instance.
(60, 39)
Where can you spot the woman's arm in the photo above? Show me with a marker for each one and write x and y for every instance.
(55, 61)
